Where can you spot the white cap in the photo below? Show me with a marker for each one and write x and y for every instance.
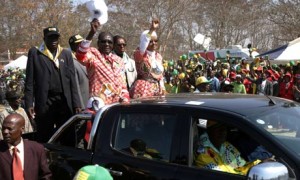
(96, 103)
(226, 82)
(98, 10)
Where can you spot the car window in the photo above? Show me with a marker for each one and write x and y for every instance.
(223, 147)
(283, 123)
(145, 135)
(75, 134)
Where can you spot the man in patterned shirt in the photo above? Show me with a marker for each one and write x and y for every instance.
(214, 152)
(106, 71)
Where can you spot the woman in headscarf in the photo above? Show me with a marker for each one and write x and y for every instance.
(149, 66)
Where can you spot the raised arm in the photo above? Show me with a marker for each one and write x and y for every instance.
(95, 24)
(146, 35)
(85, 44)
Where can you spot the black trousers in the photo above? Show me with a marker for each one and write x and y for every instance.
(55, 115)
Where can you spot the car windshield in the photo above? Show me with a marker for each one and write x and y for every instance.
(282, 122)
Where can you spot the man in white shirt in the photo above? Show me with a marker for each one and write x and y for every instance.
(130, 69)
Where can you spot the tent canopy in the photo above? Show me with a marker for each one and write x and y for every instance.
(287, 52)
(20, 63)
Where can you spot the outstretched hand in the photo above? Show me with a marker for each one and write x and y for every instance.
(154, 24)
(95, 24)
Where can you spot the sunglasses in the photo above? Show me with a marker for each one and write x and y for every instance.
(123, 44)
(105, 42)
(152, 41)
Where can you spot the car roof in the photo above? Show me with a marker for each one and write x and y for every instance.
(244, 104)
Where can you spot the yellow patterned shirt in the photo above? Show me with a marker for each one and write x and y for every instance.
(227, 159)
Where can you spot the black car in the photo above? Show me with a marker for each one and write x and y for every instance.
(158, 137)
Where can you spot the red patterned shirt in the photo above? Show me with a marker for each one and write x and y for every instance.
(150, 80)
(105, 72)
(149, 83)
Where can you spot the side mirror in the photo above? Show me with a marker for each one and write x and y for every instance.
(268, 171)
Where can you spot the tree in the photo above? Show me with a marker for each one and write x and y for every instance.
(267, 23)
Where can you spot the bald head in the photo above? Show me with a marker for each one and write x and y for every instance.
(12, 128)
(15, 118)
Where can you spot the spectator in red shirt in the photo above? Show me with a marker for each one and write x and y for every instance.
(286, 87)
(247, 82)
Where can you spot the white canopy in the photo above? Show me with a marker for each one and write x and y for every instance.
(286, 52)
(20, 63)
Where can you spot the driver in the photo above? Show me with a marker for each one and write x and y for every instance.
(216, 153)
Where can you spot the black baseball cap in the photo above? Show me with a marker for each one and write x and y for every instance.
(75, 39)
(51, 31)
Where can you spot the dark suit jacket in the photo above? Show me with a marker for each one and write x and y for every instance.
(38, 77)
(35, 162)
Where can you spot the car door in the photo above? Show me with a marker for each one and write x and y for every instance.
(144, 143)
(67, 150)
(240, 133)
(187, 170)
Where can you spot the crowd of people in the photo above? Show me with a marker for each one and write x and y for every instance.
(60, 82)
(232, 75)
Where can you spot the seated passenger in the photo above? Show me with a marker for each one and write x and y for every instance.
(218, 154)
(138, 149)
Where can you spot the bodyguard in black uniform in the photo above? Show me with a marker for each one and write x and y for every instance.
(51, 95)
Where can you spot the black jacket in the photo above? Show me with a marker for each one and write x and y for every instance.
(38, 77)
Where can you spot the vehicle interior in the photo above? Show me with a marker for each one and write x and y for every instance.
(148, 136)
(75, 134)
(249, 149)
